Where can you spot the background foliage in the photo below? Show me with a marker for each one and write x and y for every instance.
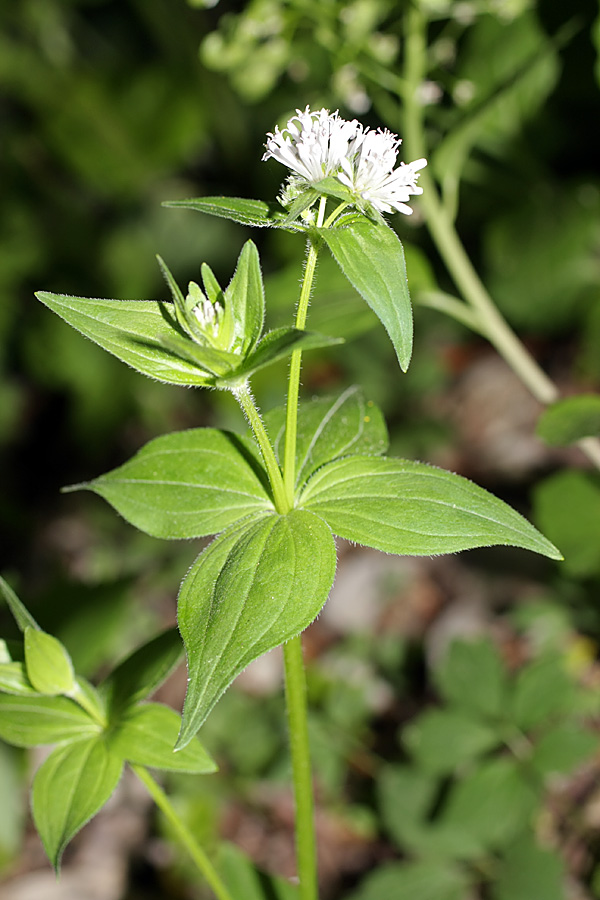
(108, 109)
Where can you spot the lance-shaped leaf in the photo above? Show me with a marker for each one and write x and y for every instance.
(14, 680)
(255, 213)
(414, 509)
(186, 484)
(70, 787)
(32, 721)
(134, 331)
(249, 591)
(570, 420)
(328, 428)
(49, 666)
(372, 259)
(245, 300)
(142, 672)
(21, 615)
(276, 345)
(147, 735)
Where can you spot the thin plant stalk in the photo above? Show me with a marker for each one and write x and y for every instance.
(478, 302)
(244, 398)
(289, 462)
(183, 833)
(297, 714)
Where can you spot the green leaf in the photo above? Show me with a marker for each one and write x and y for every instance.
(431, 880)
(563, 748)
(543, 691)
(412, 508)
(372, 259)
(570, 420)
(276, 345)
(405, 798)
(246, 883)
(567, 507)
(20, 614)
(147, 734)
(245, 300)
(49, 666)
(254, 213)
(491, 805)
(328, 428)
(528, 871)
(441, 740)
(472, 676)
(249, 591)
(14, 680)
(31, 721)
(132, 330)
(186, 484)
(142, 672)
(70, 787)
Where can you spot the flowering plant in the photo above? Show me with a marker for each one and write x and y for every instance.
(274, 496)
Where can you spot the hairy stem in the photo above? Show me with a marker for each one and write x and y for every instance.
(289, 461)
(440, 225)
(295, 695)
(244, 398)
(185, 836)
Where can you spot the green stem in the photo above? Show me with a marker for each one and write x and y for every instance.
(441, 227)
(185, 836)
(295, 694)
(244, 398)
(289, 460)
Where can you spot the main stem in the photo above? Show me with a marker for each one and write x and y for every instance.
(185, 836)
(291, 424)
(295, 678)
(491, 323)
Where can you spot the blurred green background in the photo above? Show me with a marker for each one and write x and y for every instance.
(109, 107)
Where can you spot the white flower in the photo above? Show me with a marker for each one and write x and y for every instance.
(314, 145)
(208, 314)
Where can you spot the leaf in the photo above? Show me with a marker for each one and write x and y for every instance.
(186, 484)
(441, 740)
(543, 691)
(254, 213)
(70, 787)
(249, 591)
(31, 721)
(405, 798)
(472, 676)
(245, 298)
(567, 507)
(491, 805)
(431, 880)
(14, 680)
(142, 672)
(132, 330)
(372, 259)
(147, 734)
(276, 345)
(328, 428)
(570, 420)
(563, 748)
(528, 871)
(412, 508)
(246, 883)
(49, 666)
(21, 615)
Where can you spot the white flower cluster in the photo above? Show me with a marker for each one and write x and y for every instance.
(315, 145)
(208, 314)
